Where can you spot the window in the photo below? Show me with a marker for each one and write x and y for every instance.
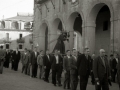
(7, 46)
(105, 25)
(20, 36)
(20, 46)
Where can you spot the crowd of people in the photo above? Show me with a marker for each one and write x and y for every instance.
(75, 66)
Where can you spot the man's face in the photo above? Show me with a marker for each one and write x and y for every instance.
(35, 49)
(42, 52)
(47, 52)
(102, 53)
(87, 51)
(68, 53)
(74, 53)
(56, 52)
(93, 56)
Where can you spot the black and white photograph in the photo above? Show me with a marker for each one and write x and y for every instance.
(59, 44)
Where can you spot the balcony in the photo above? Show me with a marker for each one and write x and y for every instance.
(21, 40)
(7, 41)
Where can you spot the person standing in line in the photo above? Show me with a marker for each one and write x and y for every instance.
(7, 59)
(83, 65)
(118, 73)
(114, 66)
(110, 62)
(2, 59)
(12, 59)
(34, 56)
(29, 63)
(73, 70)
(66, 67)
(40, 59)
(23, 59)
(101, 70)
(47, 65)
(56, 68)
(61, 64)
(16, 57)
(91, 66)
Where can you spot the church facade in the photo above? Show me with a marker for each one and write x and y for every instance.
(90, 23)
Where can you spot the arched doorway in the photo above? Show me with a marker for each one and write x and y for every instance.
(44, 37)
(102, 33)
(99, 29)
(75, 29)
(58, 29)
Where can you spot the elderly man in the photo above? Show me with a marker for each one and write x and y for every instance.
(101, 71)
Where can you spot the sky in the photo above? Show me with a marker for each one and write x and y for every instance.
(9, 8)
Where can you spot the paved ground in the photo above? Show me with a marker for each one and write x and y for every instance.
(12, 80)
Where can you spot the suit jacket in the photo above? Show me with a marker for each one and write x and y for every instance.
(82, 65)
(53, 62)
(2, 54)
(34, 58)
(73, 65)
(40, 60)
(16, 56)
(114, 63)
(25, 58)
(47, 61)
(7, 56)
(99, 69)
(66, 63)
(118, 70)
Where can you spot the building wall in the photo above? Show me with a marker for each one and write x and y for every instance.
(88, 10)
(14, 35)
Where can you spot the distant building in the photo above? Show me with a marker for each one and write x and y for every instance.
(16, 32)
(91, 23)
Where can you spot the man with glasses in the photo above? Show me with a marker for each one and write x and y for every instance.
(101, 71)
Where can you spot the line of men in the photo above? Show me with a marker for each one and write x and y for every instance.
(75, 67)
(9, 56)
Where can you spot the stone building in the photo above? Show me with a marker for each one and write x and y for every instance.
(16, 32)
(91, 23)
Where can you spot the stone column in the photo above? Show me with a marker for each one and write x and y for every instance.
(89, 36)
(115, 35)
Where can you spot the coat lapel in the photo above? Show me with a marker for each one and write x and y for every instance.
(101, 61)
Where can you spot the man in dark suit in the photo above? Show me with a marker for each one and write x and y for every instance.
(91, 67)
(47, 65)
(56, 68)
(73, 70)
(118, 73)
(7, 59)
(83, 65)
(2, 59)
(16, 58)
(101, 71)
(114, 66)
(34, 56)
(66, 67)
(12, 59)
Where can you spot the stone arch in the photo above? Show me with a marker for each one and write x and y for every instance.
(43, 36)
(95, 8)
(74, 25)
(92, 26)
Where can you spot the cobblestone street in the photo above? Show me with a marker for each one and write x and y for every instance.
(12, 80)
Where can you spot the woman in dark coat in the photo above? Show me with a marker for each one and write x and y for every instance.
(118, 72)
